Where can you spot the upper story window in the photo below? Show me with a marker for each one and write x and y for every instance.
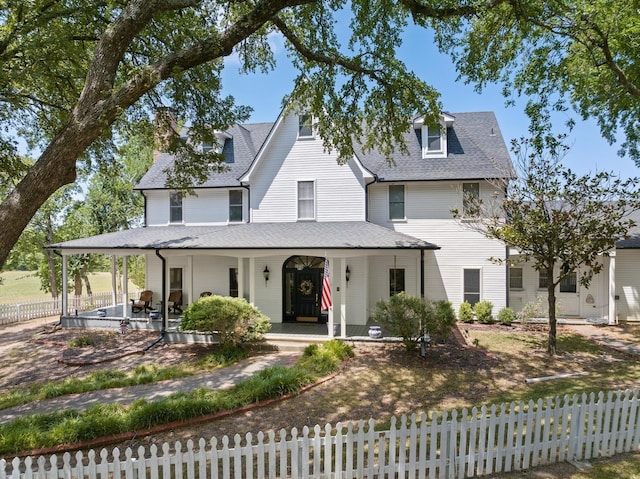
(470, 199)
(208, 146)
(433, 139)
(306, 200)
(305, 126)
(175, 207)
(235, 206)
(396, 202)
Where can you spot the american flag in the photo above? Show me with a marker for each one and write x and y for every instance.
(326, 287)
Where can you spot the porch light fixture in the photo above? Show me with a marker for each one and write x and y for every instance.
(347, 274)
(265, 273)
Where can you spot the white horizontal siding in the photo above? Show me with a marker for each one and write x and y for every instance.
(339, 194)
(628, 284)
(205, 207)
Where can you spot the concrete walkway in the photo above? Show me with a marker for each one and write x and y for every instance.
(223, 378)
(607, 339)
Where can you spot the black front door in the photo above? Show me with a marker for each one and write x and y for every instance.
(302, 289)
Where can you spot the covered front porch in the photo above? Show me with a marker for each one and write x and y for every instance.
(111, 318)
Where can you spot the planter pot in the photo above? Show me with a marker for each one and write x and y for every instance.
(375, 332)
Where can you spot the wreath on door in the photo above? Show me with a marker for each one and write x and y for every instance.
(306, 287)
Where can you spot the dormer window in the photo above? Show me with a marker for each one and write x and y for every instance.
(305, 126)
(433, 138)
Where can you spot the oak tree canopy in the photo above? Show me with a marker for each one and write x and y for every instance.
(75, 74)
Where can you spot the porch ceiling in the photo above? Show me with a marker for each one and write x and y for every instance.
(302, 235)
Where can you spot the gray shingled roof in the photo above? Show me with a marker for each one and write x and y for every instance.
(476, 150)
(633, 242)
(241, 149)
(311, 235)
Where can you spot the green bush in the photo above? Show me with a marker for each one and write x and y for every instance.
(465, 312)
(232, 320)
(506, 316)
(402, 315)
(484, 311)
(409, 317)
(444, 319)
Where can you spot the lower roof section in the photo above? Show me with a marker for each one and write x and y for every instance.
(300, 235)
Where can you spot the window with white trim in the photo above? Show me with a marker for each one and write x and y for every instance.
(542, 279)
(470, 199)
(396, 281)
(175, 207)
(396, 202)
(235, 206)
(434, 141)
(305, 126)
(515, 278)
(472, 286)
(306, 200)
(569, 284)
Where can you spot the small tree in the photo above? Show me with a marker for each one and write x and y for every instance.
(233, 320)
(557, 220)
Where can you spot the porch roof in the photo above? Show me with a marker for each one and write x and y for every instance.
(302, 235)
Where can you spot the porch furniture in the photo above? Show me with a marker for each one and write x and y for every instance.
(175, 301)
(143, 303)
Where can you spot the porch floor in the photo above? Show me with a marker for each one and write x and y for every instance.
(278, 330)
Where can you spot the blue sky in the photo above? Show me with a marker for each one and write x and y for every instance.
(589, 153)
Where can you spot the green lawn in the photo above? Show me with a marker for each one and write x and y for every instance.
(20, 286)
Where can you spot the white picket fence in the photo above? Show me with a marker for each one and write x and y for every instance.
(16, 312)
(443, 445)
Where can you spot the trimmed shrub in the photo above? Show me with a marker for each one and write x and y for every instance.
(403, 315)
(465, 312)
(233, 320)
(444, 319)
(506, 316)
(484, 311)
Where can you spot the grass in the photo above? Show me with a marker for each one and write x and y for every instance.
(64, 427)
(144, 374)
(21, 286)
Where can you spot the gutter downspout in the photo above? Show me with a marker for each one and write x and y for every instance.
(164, 302)
(422, 273)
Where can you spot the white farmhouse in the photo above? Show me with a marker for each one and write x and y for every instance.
(265, 228)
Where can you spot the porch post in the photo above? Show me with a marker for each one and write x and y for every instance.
(252, 280)
(343, 298)
(114, 287)
(125, 285)
(240, 278)
(65, 292)
(612, 289)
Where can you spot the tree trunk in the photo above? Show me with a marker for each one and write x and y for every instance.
(551, 296)
(51, 264)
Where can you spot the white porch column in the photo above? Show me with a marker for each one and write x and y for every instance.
(343, 298)
(252, 281)
(114, 286)
(240, 278)
(613, 319)
(65, 289)
(188, 296)
(125, 285)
